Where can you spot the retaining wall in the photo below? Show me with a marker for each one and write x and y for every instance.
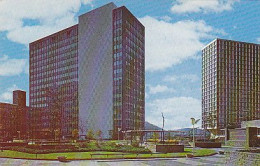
(169, 148)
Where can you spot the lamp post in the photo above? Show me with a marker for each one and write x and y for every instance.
(118, 132)
(193, 122)
(19, 135)
(162, 129)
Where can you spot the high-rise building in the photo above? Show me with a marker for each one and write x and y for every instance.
(90, 76)
(54, 82)
(129, 71)
(230, 83)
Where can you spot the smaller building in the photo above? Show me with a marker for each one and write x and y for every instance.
(252, 123)
(14, 118)
(246, 136)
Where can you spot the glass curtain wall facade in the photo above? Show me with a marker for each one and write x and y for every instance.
(230, 83)
(128, 71)
(91, 76)
(54, 82)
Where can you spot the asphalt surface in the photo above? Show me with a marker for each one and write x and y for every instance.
(206, 161)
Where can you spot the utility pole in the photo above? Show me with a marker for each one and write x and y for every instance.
(226, 128)
(163, 129)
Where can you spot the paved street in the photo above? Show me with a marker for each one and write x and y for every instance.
(212, 160)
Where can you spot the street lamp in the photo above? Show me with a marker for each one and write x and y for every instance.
(19, 135)
(118, 132)
(162, 129)
(193, 122)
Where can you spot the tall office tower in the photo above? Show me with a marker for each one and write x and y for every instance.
(111, 70)
(129, 72)
(54, 83)
(99, 63)
(230, 83)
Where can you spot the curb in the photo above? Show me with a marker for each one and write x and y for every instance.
(130, 158)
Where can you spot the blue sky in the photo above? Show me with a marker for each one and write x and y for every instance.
(176, 31)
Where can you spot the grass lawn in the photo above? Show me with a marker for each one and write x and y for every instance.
(102, 155)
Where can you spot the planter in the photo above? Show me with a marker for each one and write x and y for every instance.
(7, 144)
(221, 152)
(189, 155)
(62, 159)
(164, 148)
(208, 144)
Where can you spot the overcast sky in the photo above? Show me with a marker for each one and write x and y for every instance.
(176, 31)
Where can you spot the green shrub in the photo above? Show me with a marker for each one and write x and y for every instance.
(81, 147)
(135, 144)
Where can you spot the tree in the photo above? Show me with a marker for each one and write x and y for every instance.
(212, 126)
(82, 126)
(57, 97)
(169, 136)
(57, 134)
(75, 134)
(155, 136)
(99, 135)
(90, 134)
(55, 107)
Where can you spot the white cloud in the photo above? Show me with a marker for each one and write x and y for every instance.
(168, 44)
(190, 77)
(184, 77)
(147, 95)
(166, 18)
(7, 96)
(159, 89)
(27, 34)
(177, 112)
(195, 6)
(50, 16)
(88, 2)
(11, 67)
(258, 40)
(171, 79)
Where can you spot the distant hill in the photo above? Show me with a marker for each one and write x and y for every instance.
(189, 130)
(185, 129)
(149, 126)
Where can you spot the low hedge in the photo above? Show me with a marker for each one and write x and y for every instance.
(113, 147)
(81, 147)
(42, 151)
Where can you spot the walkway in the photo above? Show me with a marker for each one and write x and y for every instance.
(207, 161)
